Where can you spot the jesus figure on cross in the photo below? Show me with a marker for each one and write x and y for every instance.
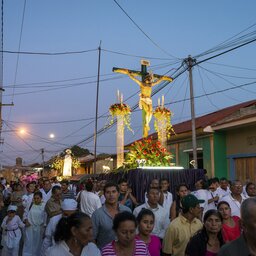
(148, 81)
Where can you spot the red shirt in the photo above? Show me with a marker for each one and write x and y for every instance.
(231, 233)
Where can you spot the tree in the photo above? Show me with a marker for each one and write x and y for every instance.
(78, 151)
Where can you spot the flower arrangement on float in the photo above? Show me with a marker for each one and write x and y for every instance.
(163, 114)
(25, 179)
(121, 109)
(149, 153)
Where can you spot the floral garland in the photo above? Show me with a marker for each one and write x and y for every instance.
(163, 114)
(58, 163)
(150, 152)
(25, 179)
(121, 109)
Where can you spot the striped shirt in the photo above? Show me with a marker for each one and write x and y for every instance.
(139, 250)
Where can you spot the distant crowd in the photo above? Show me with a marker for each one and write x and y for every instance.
(49, 217)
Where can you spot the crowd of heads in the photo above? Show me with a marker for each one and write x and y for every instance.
(77, 227)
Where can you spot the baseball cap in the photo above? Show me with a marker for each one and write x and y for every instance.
(190, 201)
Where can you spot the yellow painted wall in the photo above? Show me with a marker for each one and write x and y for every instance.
(241, 140)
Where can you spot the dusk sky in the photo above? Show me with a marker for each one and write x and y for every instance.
(55, 92)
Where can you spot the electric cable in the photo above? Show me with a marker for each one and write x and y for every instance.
(150, 39)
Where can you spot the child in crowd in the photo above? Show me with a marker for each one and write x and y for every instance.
(11, 231)
(146, 221)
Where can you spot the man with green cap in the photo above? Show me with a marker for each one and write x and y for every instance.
(182, 228)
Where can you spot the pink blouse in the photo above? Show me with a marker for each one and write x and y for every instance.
(139, 250)
(154, 246)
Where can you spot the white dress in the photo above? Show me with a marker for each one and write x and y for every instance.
(11, 236)
(49, 233)
(33, 235)
(61, 249)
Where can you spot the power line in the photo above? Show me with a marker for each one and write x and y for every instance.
(202, 84)
(48, 53)
(231, 66)
(18, 56)
(136, 56)
(143, 31)
(232, 49)
(222, 45)
(210, 80)
(226, 79)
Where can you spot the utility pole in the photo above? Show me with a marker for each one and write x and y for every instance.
(42, 152)
(190, 63)
(96, 114)
(1, 68)
(1, 72)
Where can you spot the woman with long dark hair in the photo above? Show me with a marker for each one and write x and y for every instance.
(208, 240)
(181, 191)
(146, 222)
(231, 229)
(73, 237)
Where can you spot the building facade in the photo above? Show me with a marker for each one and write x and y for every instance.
(226, 142)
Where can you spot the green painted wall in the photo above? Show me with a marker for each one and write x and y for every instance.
(201, 143)
(220, 149)
(172, 149)
(184, 157)
(220, 161)
(207, 155)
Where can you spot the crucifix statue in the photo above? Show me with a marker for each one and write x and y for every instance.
(148, 80)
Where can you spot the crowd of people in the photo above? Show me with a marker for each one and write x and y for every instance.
(47, 218)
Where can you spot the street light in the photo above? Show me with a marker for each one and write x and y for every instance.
(22, 131)
(52, 136)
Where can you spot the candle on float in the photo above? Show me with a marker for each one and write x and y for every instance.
(117, 95)
(158, 102)
(162, 100)
(121, 98)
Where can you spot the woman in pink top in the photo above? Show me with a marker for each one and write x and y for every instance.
(231, 229)
(124, 225)
(146, 221)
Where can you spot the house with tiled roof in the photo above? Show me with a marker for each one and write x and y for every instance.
(226, 142)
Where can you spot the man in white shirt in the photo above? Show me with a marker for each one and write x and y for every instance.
(46, 190)
(202, 194)
(161, 215)
(166, 197)
(235, 198)
(154, 184)
(213, 196)
(223, 189)
(27, 198)
(88, 200)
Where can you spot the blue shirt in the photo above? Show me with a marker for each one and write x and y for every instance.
(102, 223)
(128, 201)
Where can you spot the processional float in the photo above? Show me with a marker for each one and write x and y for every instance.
(146, 151)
